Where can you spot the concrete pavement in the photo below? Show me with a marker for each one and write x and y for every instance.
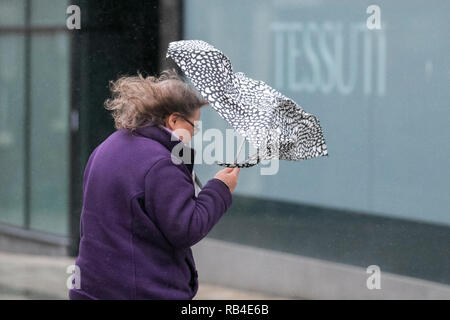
(43, 277)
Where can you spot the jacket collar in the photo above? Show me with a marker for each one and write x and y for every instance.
(169, 140)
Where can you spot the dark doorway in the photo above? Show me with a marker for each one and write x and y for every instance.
(116, 38)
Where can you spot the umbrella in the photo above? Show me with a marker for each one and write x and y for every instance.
(274, 124)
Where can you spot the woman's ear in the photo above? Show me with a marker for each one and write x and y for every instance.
(170, 121)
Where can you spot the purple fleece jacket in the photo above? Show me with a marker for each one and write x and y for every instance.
(140, 217)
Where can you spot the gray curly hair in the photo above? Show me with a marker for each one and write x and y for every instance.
(138, 100)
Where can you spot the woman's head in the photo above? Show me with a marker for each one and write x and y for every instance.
(165, 100)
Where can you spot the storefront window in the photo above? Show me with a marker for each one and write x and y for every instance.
(34, 104)
(12, 114)
(12, 13)
(49, 13)
(49, 132)
(381, 98)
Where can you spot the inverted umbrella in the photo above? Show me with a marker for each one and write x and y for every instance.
(274, 124)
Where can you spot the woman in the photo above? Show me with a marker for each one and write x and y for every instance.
(140, 213)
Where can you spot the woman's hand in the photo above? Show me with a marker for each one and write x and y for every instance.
(229, 176)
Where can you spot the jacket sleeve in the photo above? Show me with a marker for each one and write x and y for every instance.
(183, 218)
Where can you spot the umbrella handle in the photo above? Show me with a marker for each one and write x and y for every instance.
(239, 150)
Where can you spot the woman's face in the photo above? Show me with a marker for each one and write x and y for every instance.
(184, 127)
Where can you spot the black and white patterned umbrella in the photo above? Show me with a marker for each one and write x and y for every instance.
(274, 124)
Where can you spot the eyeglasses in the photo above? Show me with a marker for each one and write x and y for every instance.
(195, 126)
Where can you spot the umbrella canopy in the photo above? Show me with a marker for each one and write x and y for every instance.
(274, 124)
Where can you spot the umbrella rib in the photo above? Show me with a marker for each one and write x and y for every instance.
(239, 150)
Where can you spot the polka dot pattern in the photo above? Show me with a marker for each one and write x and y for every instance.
(274, 124)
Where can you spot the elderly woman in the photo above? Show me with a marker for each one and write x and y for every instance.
(141, 213)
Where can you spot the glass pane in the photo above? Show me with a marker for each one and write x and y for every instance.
(49, 132)
(12, 12)
(49, 12)
(381, 97)
(12, 129)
